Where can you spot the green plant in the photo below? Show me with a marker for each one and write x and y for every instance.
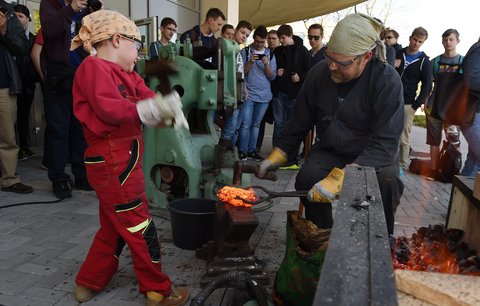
(420, 120)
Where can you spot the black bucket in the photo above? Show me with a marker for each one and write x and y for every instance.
(192, 222)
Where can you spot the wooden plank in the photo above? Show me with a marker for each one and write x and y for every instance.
(357, 269)
(440, 288)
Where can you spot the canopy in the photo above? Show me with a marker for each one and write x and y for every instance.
(274, 12)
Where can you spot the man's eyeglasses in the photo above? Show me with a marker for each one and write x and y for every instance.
(138, 43)
(389, 37)
(313, 37)
(340, 64)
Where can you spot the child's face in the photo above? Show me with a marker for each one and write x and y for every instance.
(128, 48)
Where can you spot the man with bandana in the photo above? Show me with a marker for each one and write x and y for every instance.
(354, 99)
(111, 101)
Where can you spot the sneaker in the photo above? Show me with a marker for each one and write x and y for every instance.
(83, 294)
(18, 188)
(178, 297)
(255, 156)
(21, 155)
(62, 188)
(293, 166)
(28, 152)
(82, 184)
(402, 173)
(242, 156)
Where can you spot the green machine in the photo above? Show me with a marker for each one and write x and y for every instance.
(189, 163)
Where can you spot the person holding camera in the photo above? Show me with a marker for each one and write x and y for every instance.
(260, 70)
(13, 43)
(64, 142)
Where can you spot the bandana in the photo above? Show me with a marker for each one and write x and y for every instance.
(101, 25)
(356, 34)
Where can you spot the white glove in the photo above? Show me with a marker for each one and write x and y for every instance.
(173, 100)
(162, 109)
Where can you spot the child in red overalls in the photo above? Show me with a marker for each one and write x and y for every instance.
(112, 101)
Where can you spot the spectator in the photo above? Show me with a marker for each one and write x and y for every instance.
(391, 39)
(13, 43)
(471, 69)
(315, 37)
(414, 67)
(448, 62)
(204, 35)
(29, 78)
(228, 31)
(64, 141)
(168, 28)
(291, 70)
(273, 42)
(355, 103)
(228, 136)
(259, 72)
(35, 55)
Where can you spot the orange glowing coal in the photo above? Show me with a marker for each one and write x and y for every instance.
(233, 196)
(422, 256)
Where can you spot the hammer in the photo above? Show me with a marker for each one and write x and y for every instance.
(161, 70)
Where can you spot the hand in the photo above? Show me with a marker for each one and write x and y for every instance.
(280, 71)
(153, 111)
(276, 158)
(3, 24)
(265, 60)
(173, 100)
(295, 78)
(78, 5)
(327, 190)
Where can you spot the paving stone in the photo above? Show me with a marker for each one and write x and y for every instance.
(36, 269)
(44, 294)
(19, 300)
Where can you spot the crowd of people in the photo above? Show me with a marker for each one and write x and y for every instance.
(357, 93)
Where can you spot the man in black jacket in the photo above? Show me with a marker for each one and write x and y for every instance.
(414, 67)
(355, 102)
(29, 77)
(291, 70)
(12, 43)
(65, 141)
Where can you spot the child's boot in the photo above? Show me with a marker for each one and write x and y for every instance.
(178, 297)
(83, 294)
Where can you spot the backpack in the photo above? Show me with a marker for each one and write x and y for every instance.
(450, 162)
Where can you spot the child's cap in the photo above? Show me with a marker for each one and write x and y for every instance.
(101, 25)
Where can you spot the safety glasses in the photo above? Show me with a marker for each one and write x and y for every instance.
(341, 64)
(138, 43)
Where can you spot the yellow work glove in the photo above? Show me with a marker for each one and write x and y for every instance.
(276, 158)
(327, 189)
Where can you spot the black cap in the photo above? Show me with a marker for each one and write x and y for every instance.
(20, 8)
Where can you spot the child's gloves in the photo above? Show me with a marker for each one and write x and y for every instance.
(276, 158)
(327, 189)
(162, 109)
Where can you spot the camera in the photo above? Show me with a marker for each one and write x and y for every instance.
(95, 5)
(260, 56)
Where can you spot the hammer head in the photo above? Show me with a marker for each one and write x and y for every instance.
(161, 70)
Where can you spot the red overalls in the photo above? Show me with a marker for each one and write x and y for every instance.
(114, 170)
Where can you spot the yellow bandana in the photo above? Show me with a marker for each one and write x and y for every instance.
(101, 25)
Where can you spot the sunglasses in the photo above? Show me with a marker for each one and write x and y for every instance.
(313, 37)
(138, 43)
(340, 64)
(389, 37)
